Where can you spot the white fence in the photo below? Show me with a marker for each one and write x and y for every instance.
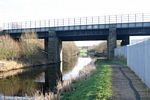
(121, 51)
(138, 59)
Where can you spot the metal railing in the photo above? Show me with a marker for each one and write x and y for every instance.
(112, 19)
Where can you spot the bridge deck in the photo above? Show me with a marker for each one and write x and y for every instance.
(80, 27)
(86, 28)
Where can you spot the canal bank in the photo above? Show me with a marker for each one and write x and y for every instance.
(95, 85)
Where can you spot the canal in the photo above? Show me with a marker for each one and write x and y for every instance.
(27, 81)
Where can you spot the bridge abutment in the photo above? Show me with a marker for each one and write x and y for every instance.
(53, 48)
(111, 42)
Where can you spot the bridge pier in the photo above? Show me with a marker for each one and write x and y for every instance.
(125, 41)
(111, 42)
(53, 48)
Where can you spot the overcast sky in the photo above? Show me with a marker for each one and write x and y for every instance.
(23, 10)
(14, 10)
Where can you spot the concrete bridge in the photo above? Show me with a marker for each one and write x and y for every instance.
(110, 28)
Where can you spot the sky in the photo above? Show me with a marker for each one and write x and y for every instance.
(24, 10)
(15, 10)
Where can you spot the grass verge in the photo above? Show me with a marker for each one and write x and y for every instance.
(96, 87)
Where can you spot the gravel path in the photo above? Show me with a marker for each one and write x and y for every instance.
(127, 86)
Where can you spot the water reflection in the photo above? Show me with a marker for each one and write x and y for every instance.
(69, 64)
(52, 75)
(20, 84)
(80, 64)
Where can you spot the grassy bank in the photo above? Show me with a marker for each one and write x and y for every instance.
(97, 86)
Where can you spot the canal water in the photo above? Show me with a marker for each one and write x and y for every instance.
(81, 62)
(28, 81)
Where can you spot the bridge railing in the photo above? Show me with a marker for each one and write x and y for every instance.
(112, 19)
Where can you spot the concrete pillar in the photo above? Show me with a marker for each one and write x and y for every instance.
(125, 41)
(53, 48)
(111, 42)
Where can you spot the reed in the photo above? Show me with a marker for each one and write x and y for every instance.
(27, 51)
(9, 48)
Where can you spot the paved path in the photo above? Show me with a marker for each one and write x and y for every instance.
(127, 86)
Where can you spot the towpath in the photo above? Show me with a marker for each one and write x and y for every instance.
(126, 85)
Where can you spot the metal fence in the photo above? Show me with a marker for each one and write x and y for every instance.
(138, 59)
(112, 19)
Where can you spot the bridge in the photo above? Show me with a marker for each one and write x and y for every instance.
(110, 28)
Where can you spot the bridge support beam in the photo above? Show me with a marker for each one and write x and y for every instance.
(111, 42)
(125, 41)
(53, 48)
